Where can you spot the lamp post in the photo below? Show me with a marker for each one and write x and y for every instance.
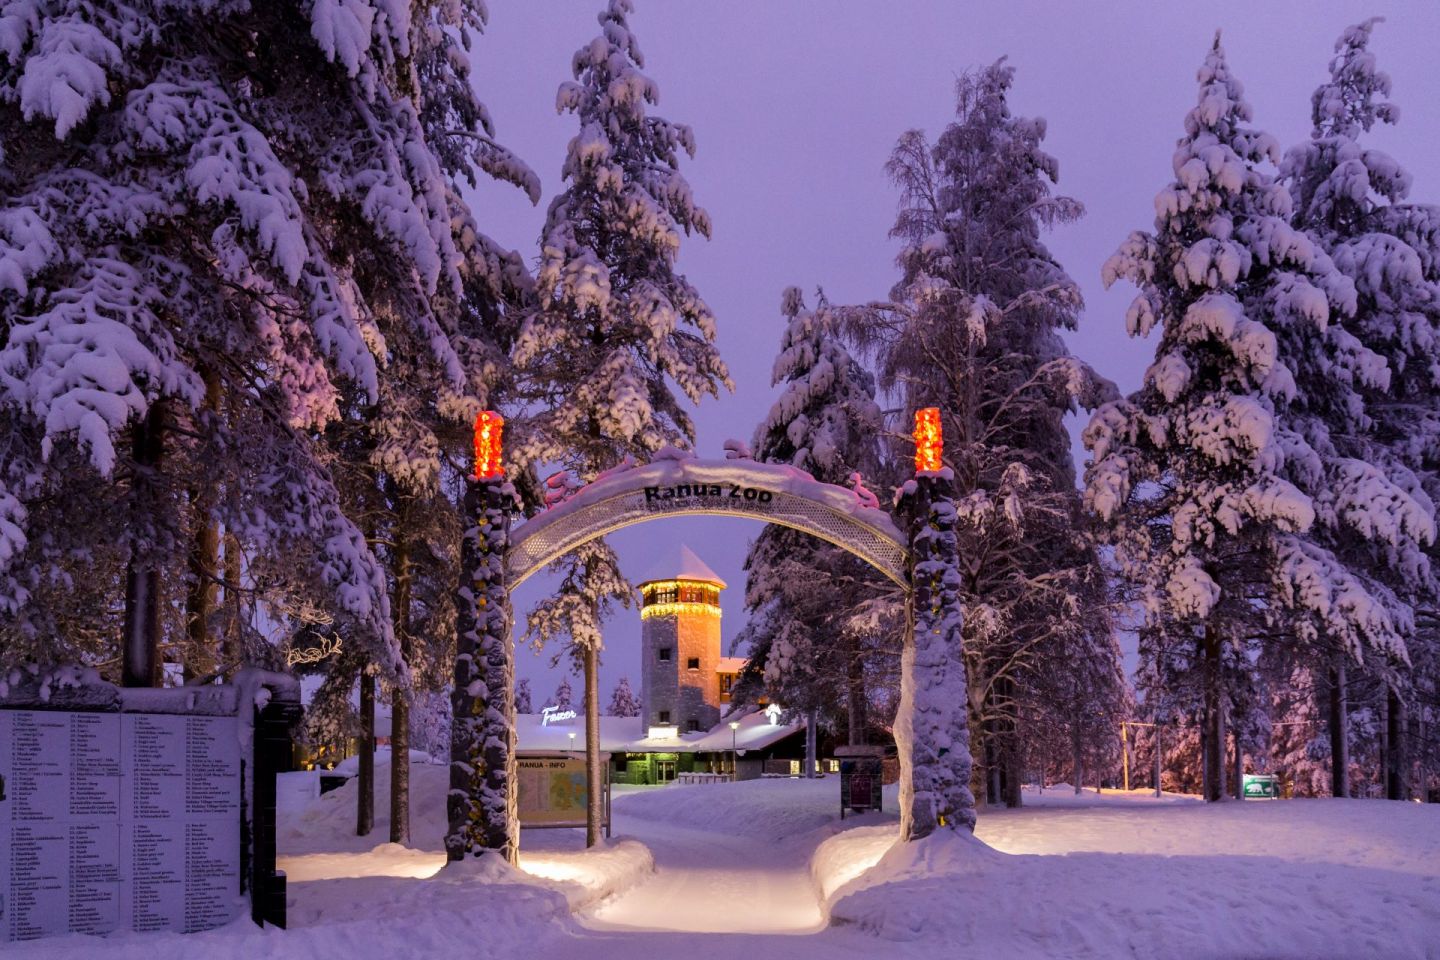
(572, 741)
(734, 754)
(1125, 750)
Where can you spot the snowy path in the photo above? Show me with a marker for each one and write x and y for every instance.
(1083, 878)
(706, 882)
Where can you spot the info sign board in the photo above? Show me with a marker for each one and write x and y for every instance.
(553, 793)
(118, 822)
(861, 779)
(1256, 786)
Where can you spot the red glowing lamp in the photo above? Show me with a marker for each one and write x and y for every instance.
(928, 443)
(489, 428)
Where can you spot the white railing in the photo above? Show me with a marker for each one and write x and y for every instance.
(703, 778)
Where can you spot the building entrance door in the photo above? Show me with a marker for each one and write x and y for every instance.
(664, 771)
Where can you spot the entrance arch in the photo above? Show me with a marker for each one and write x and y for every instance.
(747, 489)
(931, 724)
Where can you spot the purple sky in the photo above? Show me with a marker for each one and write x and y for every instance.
(795, 106)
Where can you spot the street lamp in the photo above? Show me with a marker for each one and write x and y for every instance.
(572, 741)
(734, 754)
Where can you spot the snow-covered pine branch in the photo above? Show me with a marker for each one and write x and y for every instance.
(219, 234)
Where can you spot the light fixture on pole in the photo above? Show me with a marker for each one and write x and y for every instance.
(489, 431)
(572, 739)
(734, 754)
(929, 443)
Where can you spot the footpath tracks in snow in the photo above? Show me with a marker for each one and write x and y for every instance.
(714, 883)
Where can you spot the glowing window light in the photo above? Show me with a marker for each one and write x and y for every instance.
(679, 591)
(928, 442)
(676, 609)
(489, 430)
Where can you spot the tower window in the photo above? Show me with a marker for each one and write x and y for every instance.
(693, 726)
(693, 663)
(664, 716)
(663, 654)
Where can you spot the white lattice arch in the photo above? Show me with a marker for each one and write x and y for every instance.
(765, 492)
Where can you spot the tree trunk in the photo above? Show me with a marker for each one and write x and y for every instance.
(230, 644)
(1238, 760)
(856, 714)
(481, 805)
(1077, 759)
(810, 745)
(1214, 726)
(1395, 785)
(1339, 733)
(992, 765)
(400, 698)
(365, 794)
(140, 659)
(1010, 772)
(201, 657)
(595, 786)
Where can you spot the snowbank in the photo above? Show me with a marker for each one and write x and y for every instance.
(1285, 879)
(327, 823)
(485, 905)
(586, 877)
(848, 854)
(318, 841)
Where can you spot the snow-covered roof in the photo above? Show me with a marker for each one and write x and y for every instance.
(681, 563)
(754, 733)
(533, 736)
(628, 735)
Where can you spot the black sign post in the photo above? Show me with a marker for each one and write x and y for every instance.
(861, 778)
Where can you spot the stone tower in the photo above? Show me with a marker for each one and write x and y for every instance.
(680, 644)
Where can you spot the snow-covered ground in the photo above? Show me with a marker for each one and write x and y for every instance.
(766, 869)
(1126, 875)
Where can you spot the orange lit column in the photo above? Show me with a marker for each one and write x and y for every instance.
(482, 801)
(932, 731)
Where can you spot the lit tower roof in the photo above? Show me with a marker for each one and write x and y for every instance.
(681, 563)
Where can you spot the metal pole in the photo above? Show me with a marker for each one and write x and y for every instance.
(1158, 728)
(1125, 755)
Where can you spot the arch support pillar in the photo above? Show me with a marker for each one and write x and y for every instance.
(932, 729)
(482, 799)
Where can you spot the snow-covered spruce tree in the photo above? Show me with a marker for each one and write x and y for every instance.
(1352, 199)
(617, 328)
(217, 219)
(972, 327)
(623, 701)
(1220, 476)
(812, 637)
(522, 696)
(564, 696)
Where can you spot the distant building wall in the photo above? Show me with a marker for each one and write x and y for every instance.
(659, 679)
(680, 652)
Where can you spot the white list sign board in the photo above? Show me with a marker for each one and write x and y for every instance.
(117, 822)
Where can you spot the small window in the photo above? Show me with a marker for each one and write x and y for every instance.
(663, 654)
(621, 762)
(693, 726)
(693, 663)
(664, 716)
